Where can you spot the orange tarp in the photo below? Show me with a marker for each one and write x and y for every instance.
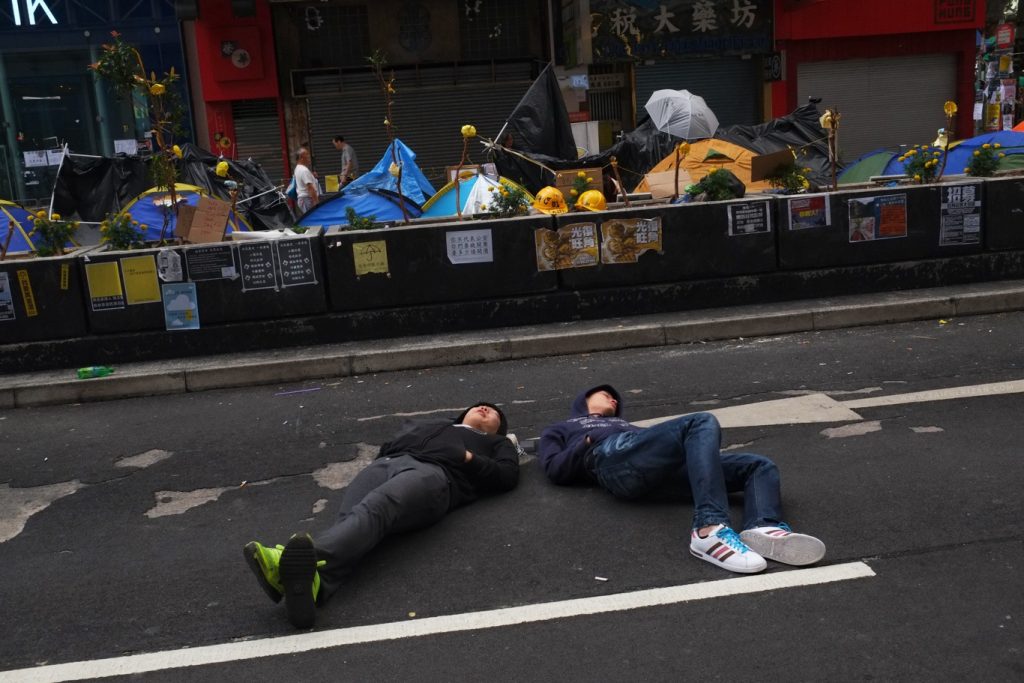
(708, 155)
(1019, 126)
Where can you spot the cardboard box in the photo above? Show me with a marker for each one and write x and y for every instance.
(564, 181)
(766, 165)
(663, 183)
(204, 222)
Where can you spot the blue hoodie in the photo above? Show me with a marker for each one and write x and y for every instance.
(563, 446)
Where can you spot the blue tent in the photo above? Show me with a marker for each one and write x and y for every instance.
(367, 202)
(16, 226)
(415, 185)
(959, 156)
(150, 207)
(443, 203)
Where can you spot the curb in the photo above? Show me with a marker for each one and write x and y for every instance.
(360, 358)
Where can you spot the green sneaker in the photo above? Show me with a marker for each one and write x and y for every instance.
(300, 580)
(265, 564)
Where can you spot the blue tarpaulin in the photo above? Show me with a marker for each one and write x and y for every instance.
(415, 185)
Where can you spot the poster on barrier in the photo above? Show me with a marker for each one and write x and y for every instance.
(624, 240)
(181, 306)
(878, 218)
(960, 215)
(571, 246)
(809, 211)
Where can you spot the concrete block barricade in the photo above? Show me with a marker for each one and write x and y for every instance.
(659, 243)
(41, 298)
(185, 287)
(1004, 213)
(434, 262)
(881, 225)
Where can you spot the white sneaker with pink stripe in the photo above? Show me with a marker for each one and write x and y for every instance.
(782, 544)
(723, 547)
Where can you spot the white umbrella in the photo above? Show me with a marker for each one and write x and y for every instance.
(682, 114)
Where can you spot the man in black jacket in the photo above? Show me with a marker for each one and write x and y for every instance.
(428, 469)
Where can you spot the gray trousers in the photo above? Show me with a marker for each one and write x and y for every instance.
(391, 495)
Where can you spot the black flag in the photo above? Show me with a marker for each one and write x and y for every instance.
(540, 124)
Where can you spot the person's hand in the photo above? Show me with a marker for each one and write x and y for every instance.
(469, 456)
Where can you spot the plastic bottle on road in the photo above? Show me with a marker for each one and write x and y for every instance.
(95, 371)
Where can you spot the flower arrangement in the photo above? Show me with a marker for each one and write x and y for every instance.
(790, 178)
(921, 163)
(580, 184)
(468, 133)
(715, 186)
(378, 61)
(507, 202)
(54, 231)
(121, 232)
(357, 222)
(985, 160)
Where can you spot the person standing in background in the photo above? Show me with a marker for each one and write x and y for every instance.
(349, 161)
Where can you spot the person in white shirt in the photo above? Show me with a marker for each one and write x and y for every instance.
(306, 186)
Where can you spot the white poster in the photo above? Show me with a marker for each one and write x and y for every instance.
(469, 246)
(128, 146)
(35, 158)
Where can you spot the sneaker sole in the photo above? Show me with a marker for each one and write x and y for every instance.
(250, 552)
(796, 549)
(297, 567)
(721, 565)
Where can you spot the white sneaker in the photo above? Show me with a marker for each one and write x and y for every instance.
(723, 548)
(781, 544)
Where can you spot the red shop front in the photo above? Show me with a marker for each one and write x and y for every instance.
(238, 85)
(887, 66)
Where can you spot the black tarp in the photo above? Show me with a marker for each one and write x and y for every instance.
(798, 130)
(259, 200)
(638, 151)
(94, 187)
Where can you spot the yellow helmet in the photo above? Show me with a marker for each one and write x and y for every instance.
(550, 200)
(592, 200)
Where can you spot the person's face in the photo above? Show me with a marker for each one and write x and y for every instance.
(484, 418)
(304, 158)
(337, 144)
(602, 403)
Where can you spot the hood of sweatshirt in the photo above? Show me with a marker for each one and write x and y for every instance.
(579, 406)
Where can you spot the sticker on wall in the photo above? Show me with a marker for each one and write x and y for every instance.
(27, 296)
(749, 218)
(65, 276)
(104, 282)
(256, 260)
(168, 265)
(960, 215)
(211, 263)
(469, 246)
(6, 299)
(370, 257)
(571, 246)
(809, 211)
(295, 258)
(623, 241)
(878, 218)
(140, 282)
(181, 306)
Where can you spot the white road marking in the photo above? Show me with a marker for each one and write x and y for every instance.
(473, 621)
(798, 410)
(993, 389)
(858, 429)
(144, 460)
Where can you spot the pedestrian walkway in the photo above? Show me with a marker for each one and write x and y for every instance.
(299, 364)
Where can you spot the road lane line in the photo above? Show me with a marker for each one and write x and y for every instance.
(995, 388)
(473, 621)
(784, 411)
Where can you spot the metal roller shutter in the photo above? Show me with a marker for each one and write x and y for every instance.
(428, 113)
(258, 135)
(730, 85)
(883, 102)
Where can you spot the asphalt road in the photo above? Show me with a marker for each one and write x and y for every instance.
(122, 522)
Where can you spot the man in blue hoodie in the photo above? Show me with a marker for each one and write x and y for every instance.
(425, 471)
(681, 455)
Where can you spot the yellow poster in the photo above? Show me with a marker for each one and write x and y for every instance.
(65, 272)
(140, 281)
(622, 241)
(571, 246)
(331, 183)
(104, 282)
(26, 294)
(370, 257)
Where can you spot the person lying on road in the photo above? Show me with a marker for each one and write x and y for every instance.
(426, 470)
(681, 455)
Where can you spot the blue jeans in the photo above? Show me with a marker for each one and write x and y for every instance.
(682, 455)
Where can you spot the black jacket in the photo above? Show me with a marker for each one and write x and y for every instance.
(493, 469)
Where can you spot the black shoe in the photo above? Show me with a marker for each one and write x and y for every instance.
(300, 580)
